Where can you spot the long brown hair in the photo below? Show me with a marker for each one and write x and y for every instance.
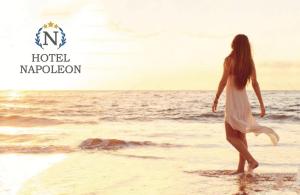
(241, 57)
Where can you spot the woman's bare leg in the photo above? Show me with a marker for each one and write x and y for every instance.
(242, 160)
(235, 140)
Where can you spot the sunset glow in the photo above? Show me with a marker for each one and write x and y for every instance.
(153, 45)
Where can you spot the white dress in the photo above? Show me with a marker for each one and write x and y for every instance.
(238, 112)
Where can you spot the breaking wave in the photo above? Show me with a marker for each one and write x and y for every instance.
(27, 121)
(36, 149)
(113, 144)
(30, 143)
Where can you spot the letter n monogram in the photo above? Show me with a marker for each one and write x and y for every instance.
(47, 35)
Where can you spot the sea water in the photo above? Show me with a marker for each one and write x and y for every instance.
(151, 142)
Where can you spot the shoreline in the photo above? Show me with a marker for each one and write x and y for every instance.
(112, 173)
(192, 162)
(16, 169)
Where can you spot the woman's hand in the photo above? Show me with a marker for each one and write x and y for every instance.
(262, 111)
(214, 106)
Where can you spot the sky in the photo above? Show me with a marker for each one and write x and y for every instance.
(151, 45)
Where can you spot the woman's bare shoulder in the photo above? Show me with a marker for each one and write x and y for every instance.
(227, 62)
(228, 59)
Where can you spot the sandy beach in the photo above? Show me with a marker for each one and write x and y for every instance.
(181, 159)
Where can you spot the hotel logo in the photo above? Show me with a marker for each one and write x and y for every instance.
(52, 37)
(50, 33)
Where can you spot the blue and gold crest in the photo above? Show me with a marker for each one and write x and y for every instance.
(51, 33)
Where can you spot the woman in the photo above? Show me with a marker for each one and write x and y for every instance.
(239, 69)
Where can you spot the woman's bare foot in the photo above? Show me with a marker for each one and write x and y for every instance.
(253, 165)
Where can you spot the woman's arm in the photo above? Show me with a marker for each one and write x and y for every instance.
(222, 85)
(256, 88)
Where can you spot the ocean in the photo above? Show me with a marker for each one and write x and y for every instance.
(43, 108)
(140, 142)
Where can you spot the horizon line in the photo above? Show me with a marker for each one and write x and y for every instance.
(24, 90)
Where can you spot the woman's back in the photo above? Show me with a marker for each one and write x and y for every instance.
(231, 80)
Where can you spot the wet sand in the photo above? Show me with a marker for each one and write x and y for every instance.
(114, 173)
(268, 183)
